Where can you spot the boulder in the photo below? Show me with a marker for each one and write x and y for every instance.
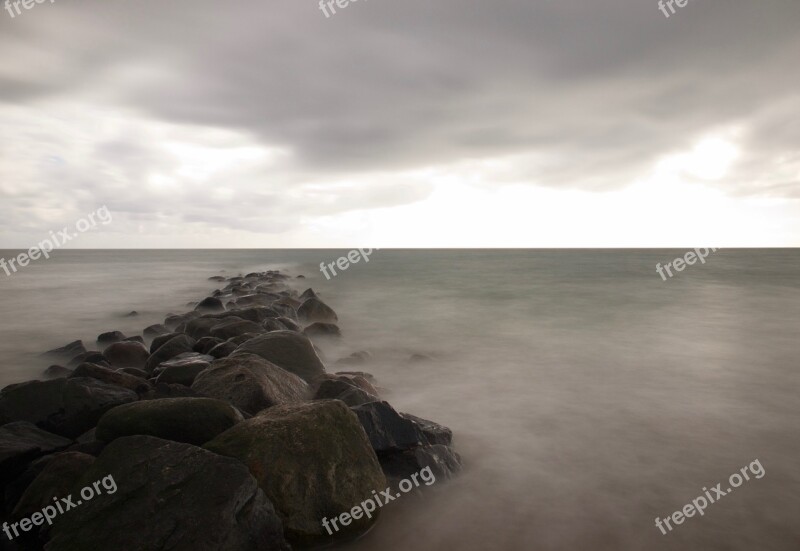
(68, 351)
(135, 338)
(388, 430)
(273, 325)
(92, 356)
(289, 323)
(55, 481)
(356, 358)
(223, 350)
(161, 340)
(256, 314)
(173, 347)
(116, 378)
(250, 383)
(313, 309)
(165, 390)
(434, 433)
(287, 349)
(22, 442)
(235, 327)
(319, 329)
(56, 372)
(168, 496)
(308, 293)
(204, 345)
(126, 354)
(183, 369)
(189, 420)
(332, 389)
(174, 320)
(210, 304)
(442, 460)
(313, 461)
(67, 407)
(153, 331)
(16, 487)
(201, 327)
(141, 373)
(104, 339)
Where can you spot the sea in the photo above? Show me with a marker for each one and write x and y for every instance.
(588, 395)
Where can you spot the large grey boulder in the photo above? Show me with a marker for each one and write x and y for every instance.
(287, 349)
(173, 347)
(250, 383)
(168, 496)
(313, 309)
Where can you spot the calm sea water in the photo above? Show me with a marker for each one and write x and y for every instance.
(587, 395)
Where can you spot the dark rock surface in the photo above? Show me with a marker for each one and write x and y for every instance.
(313, 309)
(126, 354)
(22, 442)
(287, 349)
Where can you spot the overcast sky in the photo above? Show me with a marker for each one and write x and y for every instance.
(413, 123)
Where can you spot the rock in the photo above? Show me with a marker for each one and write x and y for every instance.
(257, 314)
(419, 358)
(442, 460)
(308, 293)
(104, 339)
(56, 372)
(285, 311)
(126, 354)
(290, 324)
(301, 277)
(205, 344)
(361, 380)
(201, 327)
(319, 329)
(135, 338)
(434, 433)
(369, 377)
(174, 320)
(356, 358)
(250, 383)
(314, 309)
(223, 350)
(67, 407)
(116, 378)
(22, 442)
(273, 325)
(234, 328)
(55, 481)
(165, 390)
(153, 331)
(216, 278)
(90, 357)
(350, 394)
(161, 340)
(388, 430)
(168, 495)
(66, 352)
(141, 373)
(88, 443)
(16, 487)
(173, 347)
(132, 314)
(210, 304)
(313, 461)
(287, 349)
(188, 420)
(183, 369)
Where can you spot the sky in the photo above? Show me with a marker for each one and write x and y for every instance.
(435, 123)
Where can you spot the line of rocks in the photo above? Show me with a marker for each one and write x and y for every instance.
(226, 432)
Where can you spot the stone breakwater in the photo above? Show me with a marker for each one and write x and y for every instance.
(222, 427)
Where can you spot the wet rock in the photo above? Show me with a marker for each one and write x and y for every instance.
(141, 373)
(16, 487)
(201, 327)
(90, 357)
(442, 460)
(153, 331)
(169, 496)
(287, 349)
(188, 420)
(21, 443)
(223, 350)
(66, 352)
(356, 379)
(319, 329)
(289, 324)
(67, 407)
(308, 293)
(235, 327)
(174, 320)
(56, 372)
(312, 460)
(88, 443)
(210, 304)
(216, 278)
(126, 354)
(205, 344)
(104, 339)
(55, 481)
(116, 378)
(183, 369)
(332, 389)
(434, 433)
(313, 309)
(388, 430)
(285, 311)
(173, 347)
(164, 390)
(135, 338)
(132, 314)
(250, 383)
(274, 325)
(161, 340)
